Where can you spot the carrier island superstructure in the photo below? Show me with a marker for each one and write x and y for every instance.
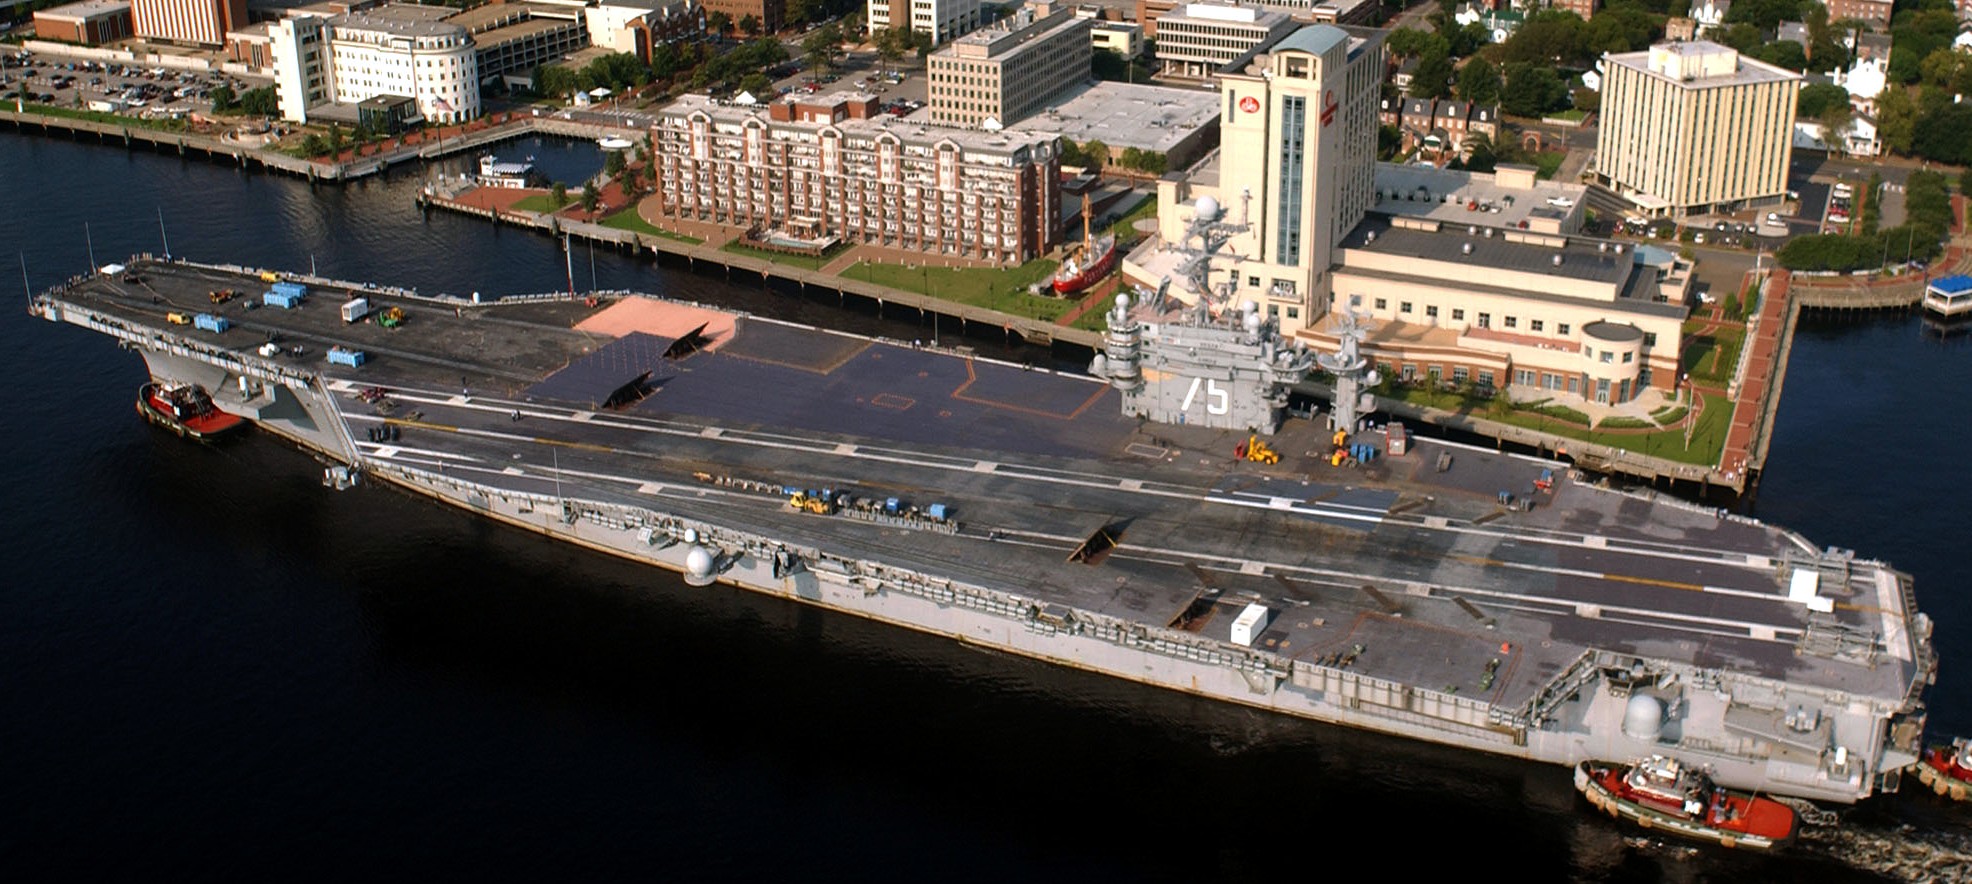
(1416, 594)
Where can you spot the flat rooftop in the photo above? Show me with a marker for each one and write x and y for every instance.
(398, 20)
(1700, 64)
(1612, 264)
(489, 16)
(911, 131)
(86, 9)
(1444, 194)
(1122, 115)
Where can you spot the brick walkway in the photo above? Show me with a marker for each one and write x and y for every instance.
(1762, 357)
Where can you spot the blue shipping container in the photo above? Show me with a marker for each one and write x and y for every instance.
(211, 323)
(351, 358)
(281, 299)
(291, 288)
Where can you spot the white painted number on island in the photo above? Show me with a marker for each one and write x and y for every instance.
(1217, 401)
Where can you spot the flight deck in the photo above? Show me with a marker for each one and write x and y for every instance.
(1451, 593)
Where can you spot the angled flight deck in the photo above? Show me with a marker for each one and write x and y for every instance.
(1452, 594)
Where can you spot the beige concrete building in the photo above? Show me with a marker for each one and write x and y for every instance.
(1124, 38)
(1542, 315)
(1001, 74)
(835, 166)
(1460, 277)
(941, 19)
(1198, 39)
(1293, 174)
(1692, 128)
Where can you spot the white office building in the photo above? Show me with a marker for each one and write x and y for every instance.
(942, 19)
(347, 59)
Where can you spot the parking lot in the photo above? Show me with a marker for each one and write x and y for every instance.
(900, 87)
(114, 87)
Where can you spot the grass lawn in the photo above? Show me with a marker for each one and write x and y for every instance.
(1668, 415)
(681, 237)
(540, 202)
(999, 289)
(1125, 228)
(803, 261)
(100, 117)
(1546, 164)
(628, 219)
(1097, 317)
(1713, 356)
(1572, 115)
(1707, 439)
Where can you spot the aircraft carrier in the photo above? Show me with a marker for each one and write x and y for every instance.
(1423, 589)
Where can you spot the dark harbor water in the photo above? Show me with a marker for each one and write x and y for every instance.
(211, 668)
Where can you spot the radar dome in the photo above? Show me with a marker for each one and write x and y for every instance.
(1252, 323)
(1123, 301)
(1206, 209)
(1644, 717)
(698, 566)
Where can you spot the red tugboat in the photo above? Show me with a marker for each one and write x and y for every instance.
(1661, 794)
(185, 409)
(1088, 266)
(1948, 769)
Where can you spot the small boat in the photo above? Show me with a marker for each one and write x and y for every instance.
(185, 409)
(1088, 266)
(613, 142)
(1948, 769)
(1661, 794)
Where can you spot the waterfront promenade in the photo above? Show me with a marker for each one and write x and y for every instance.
(1752, 394)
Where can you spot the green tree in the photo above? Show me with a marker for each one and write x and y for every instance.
(590, 196)
(1480, 153)
(1914, 35)
(613, 162)
(758, 84)
(1816, 99)
(1411, 42)
(313, 145)
(750, 25)
(335, 139)
(556, 81)
(1946, 135)
(1432, 78)
(1479, 82)
(719, 23)
(1896, 119)
(801, 12)
(222, 97)
(1108, 64)
(261, 102)
(664, 61)
(822, 48)
(559, 194)
(1532, 90)
(1388, 140)
(1095, 154)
